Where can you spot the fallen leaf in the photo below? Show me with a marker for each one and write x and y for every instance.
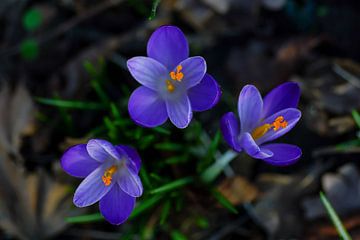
(238, 190)
(17, 117)
(32, 206)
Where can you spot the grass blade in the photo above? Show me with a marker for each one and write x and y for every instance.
(144, 205)
(356, 117)
(173, 185)
(177, 235)
(165, 212)
(162, 130)
(223, 201)
(153, 9)
(166, 146)
(95, 217)
(70, 103)
(334, 218)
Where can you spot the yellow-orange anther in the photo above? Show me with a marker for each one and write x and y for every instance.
(178, 75)
(260, 131)
(279, 123)
(107, 177)
(169, 86)
(276, 125)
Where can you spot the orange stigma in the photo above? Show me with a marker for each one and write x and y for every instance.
(279, 123)
(178, 75)
(276, 125)
(169, 86)
(107, 177)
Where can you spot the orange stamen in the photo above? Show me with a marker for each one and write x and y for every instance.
(178, 75)
(279, 123)
(107, 177)
(263, 129)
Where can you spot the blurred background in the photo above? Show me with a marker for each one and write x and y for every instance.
(64, 80)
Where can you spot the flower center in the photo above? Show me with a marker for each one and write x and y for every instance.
(107, 177)
(170, 86)
(276, 125)
(178, 75)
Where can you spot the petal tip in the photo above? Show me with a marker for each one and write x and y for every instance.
(284, 154)
(142, 123)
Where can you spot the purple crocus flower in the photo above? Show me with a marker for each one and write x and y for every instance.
(174, 84)
(111, 177)
(262, 121)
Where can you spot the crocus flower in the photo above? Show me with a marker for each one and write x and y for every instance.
(174, 84)
(262, 121)
(111, 177)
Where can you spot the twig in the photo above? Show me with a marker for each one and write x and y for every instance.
(352, 79)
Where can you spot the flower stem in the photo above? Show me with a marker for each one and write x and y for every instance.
(218, 166)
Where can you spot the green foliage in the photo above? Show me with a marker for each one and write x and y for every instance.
(352, 143)
(356, 117)
(167, 146)
(176, 235)
(97, 76)
(334, 218)
(223, 201)
(155, 4)
(144, 205)
(32, 19)
(173, 185)
(72, 104)
(95, 217)
(29, 49)
(165, 212)
(202, 222)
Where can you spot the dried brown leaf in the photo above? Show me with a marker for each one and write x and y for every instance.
(238, 190)
(17, 114)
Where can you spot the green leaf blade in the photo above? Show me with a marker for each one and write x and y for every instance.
(356, 117)
(334, 218)
(173, 185)
(224, 202)
(70, 103)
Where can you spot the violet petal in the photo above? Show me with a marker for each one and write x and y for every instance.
(205, 95)
(116, 206)
(168, 45)
(147, 71)
(146, 108)
(284, 154)
(179, 110)
(284, 96)
(132, 154)
(77, 162)
(102, 150)
(251, 148)
(194, 69)
(92, 188)
(130, 182)
(250, 106)
(229, 126)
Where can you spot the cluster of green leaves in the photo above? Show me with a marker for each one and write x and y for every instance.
(173, 159)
